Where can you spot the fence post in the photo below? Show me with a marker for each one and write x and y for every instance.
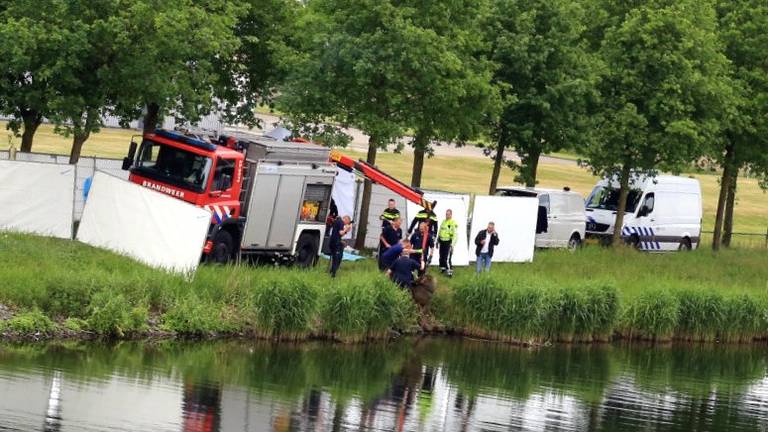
(766, 237)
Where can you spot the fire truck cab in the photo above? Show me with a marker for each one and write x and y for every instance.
(267, 198)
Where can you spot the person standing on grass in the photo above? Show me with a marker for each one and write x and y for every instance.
(446, 238)
(390, 235)
(422, 216)
(401, 271)
(422, 243)
(485, 241)
(390, 213)
(341, 226)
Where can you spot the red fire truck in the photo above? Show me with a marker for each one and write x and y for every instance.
(267, 198)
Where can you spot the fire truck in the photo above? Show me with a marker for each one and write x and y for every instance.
(268, 199)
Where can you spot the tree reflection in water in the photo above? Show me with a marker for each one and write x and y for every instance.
(412, 384)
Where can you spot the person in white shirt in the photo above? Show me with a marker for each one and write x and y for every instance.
(485, 241)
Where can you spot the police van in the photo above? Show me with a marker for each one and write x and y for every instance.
(663, 213)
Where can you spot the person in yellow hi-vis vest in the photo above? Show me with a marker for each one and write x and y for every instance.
(447, 237)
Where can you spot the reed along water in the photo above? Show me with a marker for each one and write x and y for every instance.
(430, 384)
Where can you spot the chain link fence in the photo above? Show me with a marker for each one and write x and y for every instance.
(739, 240)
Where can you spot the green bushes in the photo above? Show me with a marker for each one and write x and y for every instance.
(493, 305)
(29, 323)
(113, 315)
(284, 305)
(532, 310)
(365, 307)
(653, 315)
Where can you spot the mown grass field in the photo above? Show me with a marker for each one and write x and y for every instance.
(458, 174)
(592, 294)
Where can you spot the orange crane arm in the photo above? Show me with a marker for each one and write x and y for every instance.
(377, 176)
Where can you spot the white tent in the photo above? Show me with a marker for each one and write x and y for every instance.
(149, 226)
(515, 220)
(37, 198)
(459, 204)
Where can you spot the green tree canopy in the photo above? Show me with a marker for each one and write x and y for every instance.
(662, 92)
(547, 76)
(448, 94)
(268, 41)
(351, 71)
(169, 57)
(37, 52)
(742, 28)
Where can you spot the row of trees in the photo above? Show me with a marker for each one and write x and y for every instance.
(634, 86)
(73, 61)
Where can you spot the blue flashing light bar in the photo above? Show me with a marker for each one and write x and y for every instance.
(176, 136)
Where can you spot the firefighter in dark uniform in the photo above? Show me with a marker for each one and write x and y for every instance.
(390, 213)
(427, 216)
(422, 242)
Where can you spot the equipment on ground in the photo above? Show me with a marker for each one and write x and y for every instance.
(268, 199)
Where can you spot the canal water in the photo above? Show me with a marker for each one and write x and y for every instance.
(430, 384)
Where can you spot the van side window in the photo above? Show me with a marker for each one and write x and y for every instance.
(648, 203)
(222, 179)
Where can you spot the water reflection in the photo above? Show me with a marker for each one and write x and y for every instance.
(421, 384)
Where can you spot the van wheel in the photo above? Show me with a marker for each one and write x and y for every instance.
(685, 245)
(634, 241)
(223, 247)
(574, 242)
(306, 250)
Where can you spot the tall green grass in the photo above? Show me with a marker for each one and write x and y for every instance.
(592, 295)
(533, 311)
(75, 287)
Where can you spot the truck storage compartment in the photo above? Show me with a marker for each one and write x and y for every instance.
(269, 150)
(277, 199)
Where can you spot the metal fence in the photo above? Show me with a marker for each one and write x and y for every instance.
(739, 239)
(211, 122)
(86, 167)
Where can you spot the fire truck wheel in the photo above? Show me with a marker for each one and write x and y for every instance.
(222, 248)
(306, 250)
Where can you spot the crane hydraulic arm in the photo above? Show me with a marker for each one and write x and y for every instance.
(375, 175)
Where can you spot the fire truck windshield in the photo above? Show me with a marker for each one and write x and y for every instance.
(172, 165)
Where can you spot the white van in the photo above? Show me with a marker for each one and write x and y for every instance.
(663, 213)
(560, 222)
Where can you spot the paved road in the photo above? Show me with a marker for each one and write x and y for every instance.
(360, 143)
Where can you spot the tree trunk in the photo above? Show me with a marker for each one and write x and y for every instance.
(498, 160)
(729, 203)
(151, 117)
(420, 144)
(32, 120)
(724, 185)
(362, 221)
(530, 165)
(77, 146)
(82, 130)
(501, 145)
(623, 193)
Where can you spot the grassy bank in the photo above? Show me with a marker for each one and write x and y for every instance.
(57, 287)
(52, 287)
